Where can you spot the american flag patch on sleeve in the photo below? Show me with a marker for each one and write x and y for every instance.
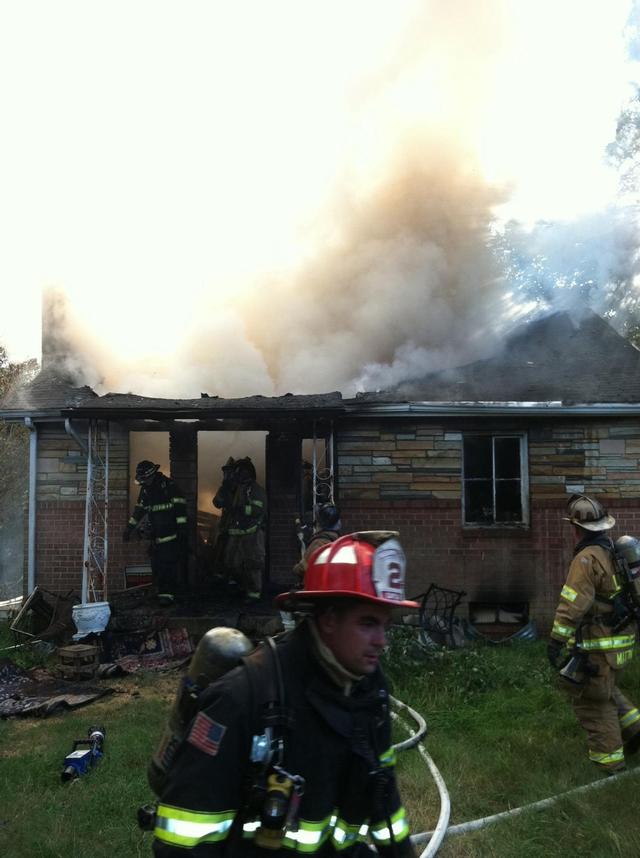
(206, 735)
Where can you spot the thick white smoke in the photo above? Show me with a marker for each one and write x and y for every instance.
(287, 197)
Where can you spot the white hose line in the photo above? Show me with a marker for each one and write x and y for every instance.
(416, 735)
(434, 838)
(437, 835)
(482, 822)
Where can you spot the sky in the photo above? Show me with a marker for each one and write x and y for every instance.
(255, 197)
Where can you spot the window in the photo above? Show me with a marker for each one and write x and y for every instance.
(495, 490)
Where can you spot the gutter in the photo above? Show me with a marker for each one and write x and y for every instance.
(497, 409)
(33, 473)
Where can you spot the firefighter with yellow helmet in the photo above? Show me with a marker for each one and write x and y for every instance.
(588, 645)
(291, 753)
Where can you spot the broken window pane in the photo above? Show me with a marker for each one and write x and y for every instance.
(507, 452)
(478, 502)
(477, 457)
(508, 501)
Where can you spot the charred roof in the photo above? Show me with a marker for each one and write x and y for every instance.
(553, 359)
(548, 359)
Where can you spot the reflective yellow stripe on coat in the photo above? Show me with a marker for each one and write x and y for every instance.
(188, 828)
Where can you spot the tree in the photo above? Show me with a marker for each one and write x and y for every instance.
(14, 469)
(592, 261)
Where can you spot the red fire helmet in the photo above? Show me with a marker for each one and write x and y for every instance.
(368, 565)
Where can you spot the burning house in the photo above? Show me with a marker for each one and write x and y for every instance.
(473, 466)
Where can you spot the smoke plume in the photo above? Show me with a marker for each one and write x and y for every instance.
(308, 206)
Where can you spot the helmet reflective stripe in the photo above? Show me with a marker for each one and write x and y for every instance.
(568, 593)
(345, 554)
(616, 756)
(630, 718)
(399, 827)
(188, 828)
(323, 555)
(563, 631)
(621, 642)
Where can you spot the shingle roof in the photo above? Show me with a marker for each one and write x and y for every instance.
(550, 359)
(50, 390)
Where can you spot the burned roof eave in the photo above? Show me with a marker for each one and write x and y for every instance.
(199, 414)
(42, 416)
(477, 409)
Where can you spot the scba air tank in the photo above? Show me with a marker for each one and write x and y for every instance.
(219, 650)
(628, 548)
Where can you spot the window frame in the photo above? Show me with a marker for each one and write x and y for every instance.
(524, 480)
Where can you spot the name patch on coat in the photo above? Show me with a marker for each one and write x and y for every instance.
(206, 734)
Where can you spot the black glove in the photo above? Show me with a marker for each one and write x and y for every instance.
(555, 653)
(126, 536)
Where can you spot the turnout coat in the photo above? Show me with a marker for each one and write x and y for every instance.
(587, 614)
(164, 502)
(586, 600)
(340, 744)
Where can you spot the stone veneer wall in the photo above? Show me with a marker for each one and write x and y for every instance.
(394, 474)
(407, 476)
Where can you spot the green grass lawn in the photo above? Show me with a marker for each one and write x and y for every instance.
(499, 732)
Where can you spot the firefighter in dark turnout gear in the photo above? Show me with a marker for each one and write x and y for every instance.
(584, 621)
(244, 505)
(333, 741)
(328, 530)
(162, 501)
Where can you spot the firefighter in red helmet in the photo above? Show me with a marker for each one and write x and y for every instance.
(334, 769)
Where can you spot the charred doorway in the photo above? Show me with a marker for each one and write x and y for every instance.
(215, 450)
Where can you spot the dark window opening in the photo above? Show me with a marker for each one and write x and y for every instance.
(493, 482)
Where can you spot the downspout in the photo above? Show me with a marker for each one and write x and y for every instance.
(70, 430)
(33, 474)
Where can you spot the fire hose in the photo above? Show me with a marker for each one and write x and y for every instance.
(434, 838)
(437, 835)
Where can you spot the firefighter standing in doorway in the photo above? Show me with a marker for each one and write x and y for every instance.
(322, 781)
(245, 506)
(328, 526)
(584, 623)
(164, 503)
